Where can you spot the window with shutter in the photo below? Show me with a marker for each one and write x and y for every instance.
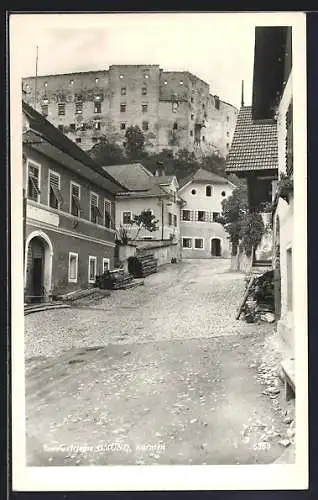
(33, 182)
(186, 215)
(170, 219)
(55, 197)
(107, 213)
(94, 210)
(75, 200)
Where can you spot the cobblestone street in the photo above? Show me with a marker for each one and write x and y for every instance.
(162, 373)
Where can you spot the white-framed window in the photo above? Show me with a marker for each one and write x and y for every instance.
(107, 213)
(34, 180)
(55, 196)
(106, 264)
(78, 108)
(187, 242)
(94, 212)
(75, 198)
(72, 267)
(198, 243)
(61, 109)
(92, 269)
(215, 216)
(97, 107)
(186, 215)
(201, 216)
(126, 217)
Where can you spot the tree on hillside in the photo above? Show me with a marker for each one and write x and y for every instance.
(135, 143)
(185, 163)
(106, 152)
(213, 163)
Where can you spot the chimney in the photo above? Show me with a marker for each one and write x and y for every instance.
(242, 95)
(160, 170)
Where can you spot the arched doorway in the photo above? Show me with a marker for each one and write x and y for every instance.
(216, 247)
(38, 267)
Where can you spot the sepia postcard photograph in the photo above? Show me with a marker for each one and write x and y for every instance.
(159, 258)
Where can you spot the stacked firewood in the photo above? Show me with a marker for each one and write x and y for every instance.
(114, 280)
(142, 265)
(258, 301)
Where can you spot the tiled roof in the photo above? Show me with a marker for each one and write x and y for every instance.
(254, 145)
(132, 175)
(50, 141)
(202, 175)
(139, 180)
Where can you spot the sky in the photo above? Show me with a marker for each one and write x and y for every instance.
(218, 48)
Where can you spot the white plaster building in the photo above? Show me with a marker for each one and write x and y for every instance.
(202, 237)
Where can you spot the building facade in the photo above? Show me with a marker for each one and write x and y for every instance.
(157, 193)
(201, 235)
(175, 110)
(69, 234)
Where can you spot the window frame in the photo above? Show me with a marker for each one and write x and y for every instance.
(105, 259)
(99, 105)
(72, 183)
(187, 238)
(211, 191)
(204, 217)
(144, 108)
(186, 220)
(72, 254)
(122, 217)
(98, 214)
(59, 202)
(46, 107)
(123, 91)
(92, 258)
(122, 108)
(170, 219)
(145, 126)
(38, 166)
(144, 90)
(106, 201)
(198, 239)
(61, 106)
(175, 220)
(78, 107)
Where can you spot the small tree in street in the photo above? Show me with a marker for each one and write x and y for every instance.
(145, 220)
(245, 229)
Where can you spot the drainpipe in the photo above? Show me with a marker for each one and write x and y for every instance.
(162, 218)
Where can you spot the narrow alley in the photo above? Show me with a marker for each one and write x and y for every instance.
(159, 374)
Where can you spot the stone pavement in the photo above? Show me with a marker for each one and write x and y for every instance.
(161, 374)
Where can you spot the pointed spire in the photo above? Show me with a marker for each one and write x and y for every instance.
(242, 94)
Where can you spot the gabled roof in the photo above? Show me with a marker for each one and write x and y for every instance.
(132, 175)
(139, 180)
(254, 145)
(202, 175)
(48, 140)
